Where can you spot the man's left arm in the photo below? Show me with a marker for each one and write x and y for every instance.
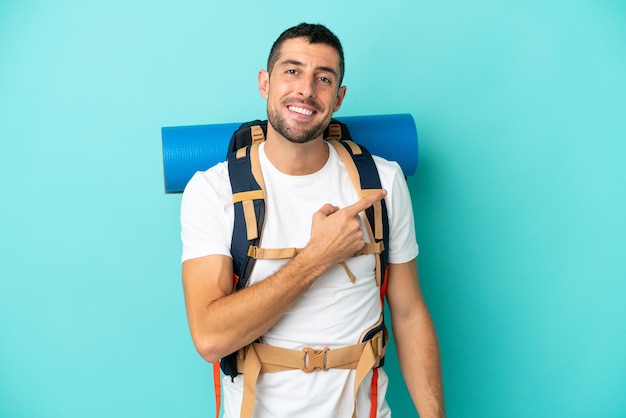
(416, 341)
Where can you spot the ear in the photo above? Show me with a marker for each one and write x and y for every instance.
(264, 83)
(341, 94)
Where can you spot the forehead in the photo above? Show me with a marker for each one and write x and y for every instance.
(316, 55)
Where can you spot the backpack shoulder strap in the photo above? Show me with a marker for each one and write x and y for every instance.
(248, 190)
(365, 179)
(247, 134)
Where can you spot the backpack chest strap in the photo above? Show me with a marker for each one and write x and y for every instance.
(259, 253)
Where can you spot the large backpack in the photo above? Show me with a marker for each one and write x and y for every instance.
(249, 210)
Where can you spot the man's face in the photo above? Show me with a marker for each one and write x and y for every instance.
(302, 90)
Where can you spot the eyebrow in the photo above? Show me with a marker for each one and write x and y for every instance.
(300, 64)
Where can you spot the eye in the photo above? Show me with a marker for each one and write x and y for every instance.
(325, 80)
(291, 71)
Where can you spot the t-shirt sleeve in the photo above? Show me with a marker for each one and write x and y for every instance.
(206, 214)
(402, 243)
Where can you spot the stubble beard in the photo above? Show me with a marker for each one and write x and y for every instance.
(280, 125)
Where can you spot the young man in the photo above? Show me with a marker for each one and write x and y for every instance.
(306, 302)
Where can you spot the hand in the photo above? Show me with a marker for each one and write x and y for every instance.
(336, 233)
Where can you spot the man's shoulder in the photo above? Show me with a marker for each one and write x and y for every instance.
(387, 168)
(385, 162)
(214, 178)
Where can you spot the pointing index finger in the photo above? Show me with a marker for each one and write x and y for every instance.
(366, 202)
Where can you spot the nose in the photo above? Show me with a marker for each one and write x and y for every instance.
(306, 87)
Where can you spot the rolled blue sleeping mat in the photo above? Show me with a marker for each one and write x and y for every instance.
(187, 149)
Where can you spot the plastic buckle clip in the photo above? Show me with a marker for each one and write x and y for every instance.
(314, 359)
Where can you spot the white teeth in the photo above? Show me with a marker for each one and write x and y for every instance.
(300, 110)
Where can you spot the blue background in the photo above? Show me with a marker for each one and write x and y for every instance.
(519, 196)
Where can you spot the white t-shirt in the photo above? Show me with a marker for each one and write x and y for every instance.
(333, 312)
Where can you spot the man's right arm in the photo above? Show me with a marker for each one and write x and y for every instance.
(222, 322)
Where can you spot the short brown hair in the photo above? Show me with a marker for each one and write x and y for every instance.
(315, 34)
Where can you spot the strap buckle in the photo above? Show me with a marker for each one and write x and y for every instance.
(377, 345)
(334, 131)
(256, 132)
(314, 359)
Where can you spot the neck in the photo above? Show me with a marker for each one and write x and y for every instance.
(295, 159)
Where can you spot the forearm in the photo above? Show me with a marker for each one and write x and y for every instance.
(418, 354)
(237, 319)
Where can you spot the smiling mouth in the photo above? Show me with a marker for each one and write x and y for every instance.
(300, 110)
